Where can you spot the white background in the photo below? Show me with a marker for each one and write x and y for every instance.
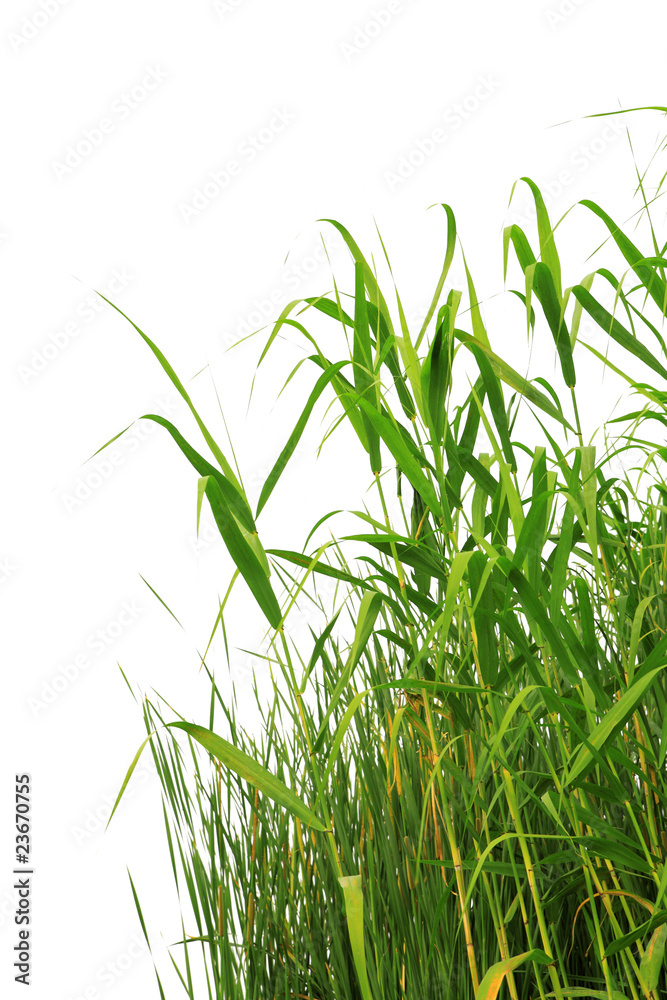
(99, 179)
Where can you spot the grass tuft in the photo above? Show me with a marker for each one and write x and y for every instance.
(459, 791)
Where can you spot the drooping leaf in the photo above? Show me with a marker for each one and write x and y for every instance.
(256, 775)
(493, 980)
(242, 554)
(616, 330)
(649, 277)
(516, 381)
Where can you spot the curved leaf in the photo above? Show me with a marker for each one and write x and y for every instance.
(493, 980)
(256, 775)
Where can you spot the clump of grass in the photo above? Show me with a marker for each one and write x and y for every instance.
(459, 791)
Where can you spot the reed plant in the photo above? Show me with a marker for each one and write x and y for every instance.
(459, 788)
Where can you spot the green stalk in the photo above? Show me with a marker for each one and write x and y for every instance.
(527, 860)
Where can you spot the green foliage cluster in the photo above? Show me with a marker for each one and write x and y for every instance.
(464, 797)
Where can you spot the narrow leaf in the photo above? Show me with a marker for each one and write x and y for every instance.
(493, 980)
(248, 768)
(242, 554)
(354, 913)
(295, 436)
